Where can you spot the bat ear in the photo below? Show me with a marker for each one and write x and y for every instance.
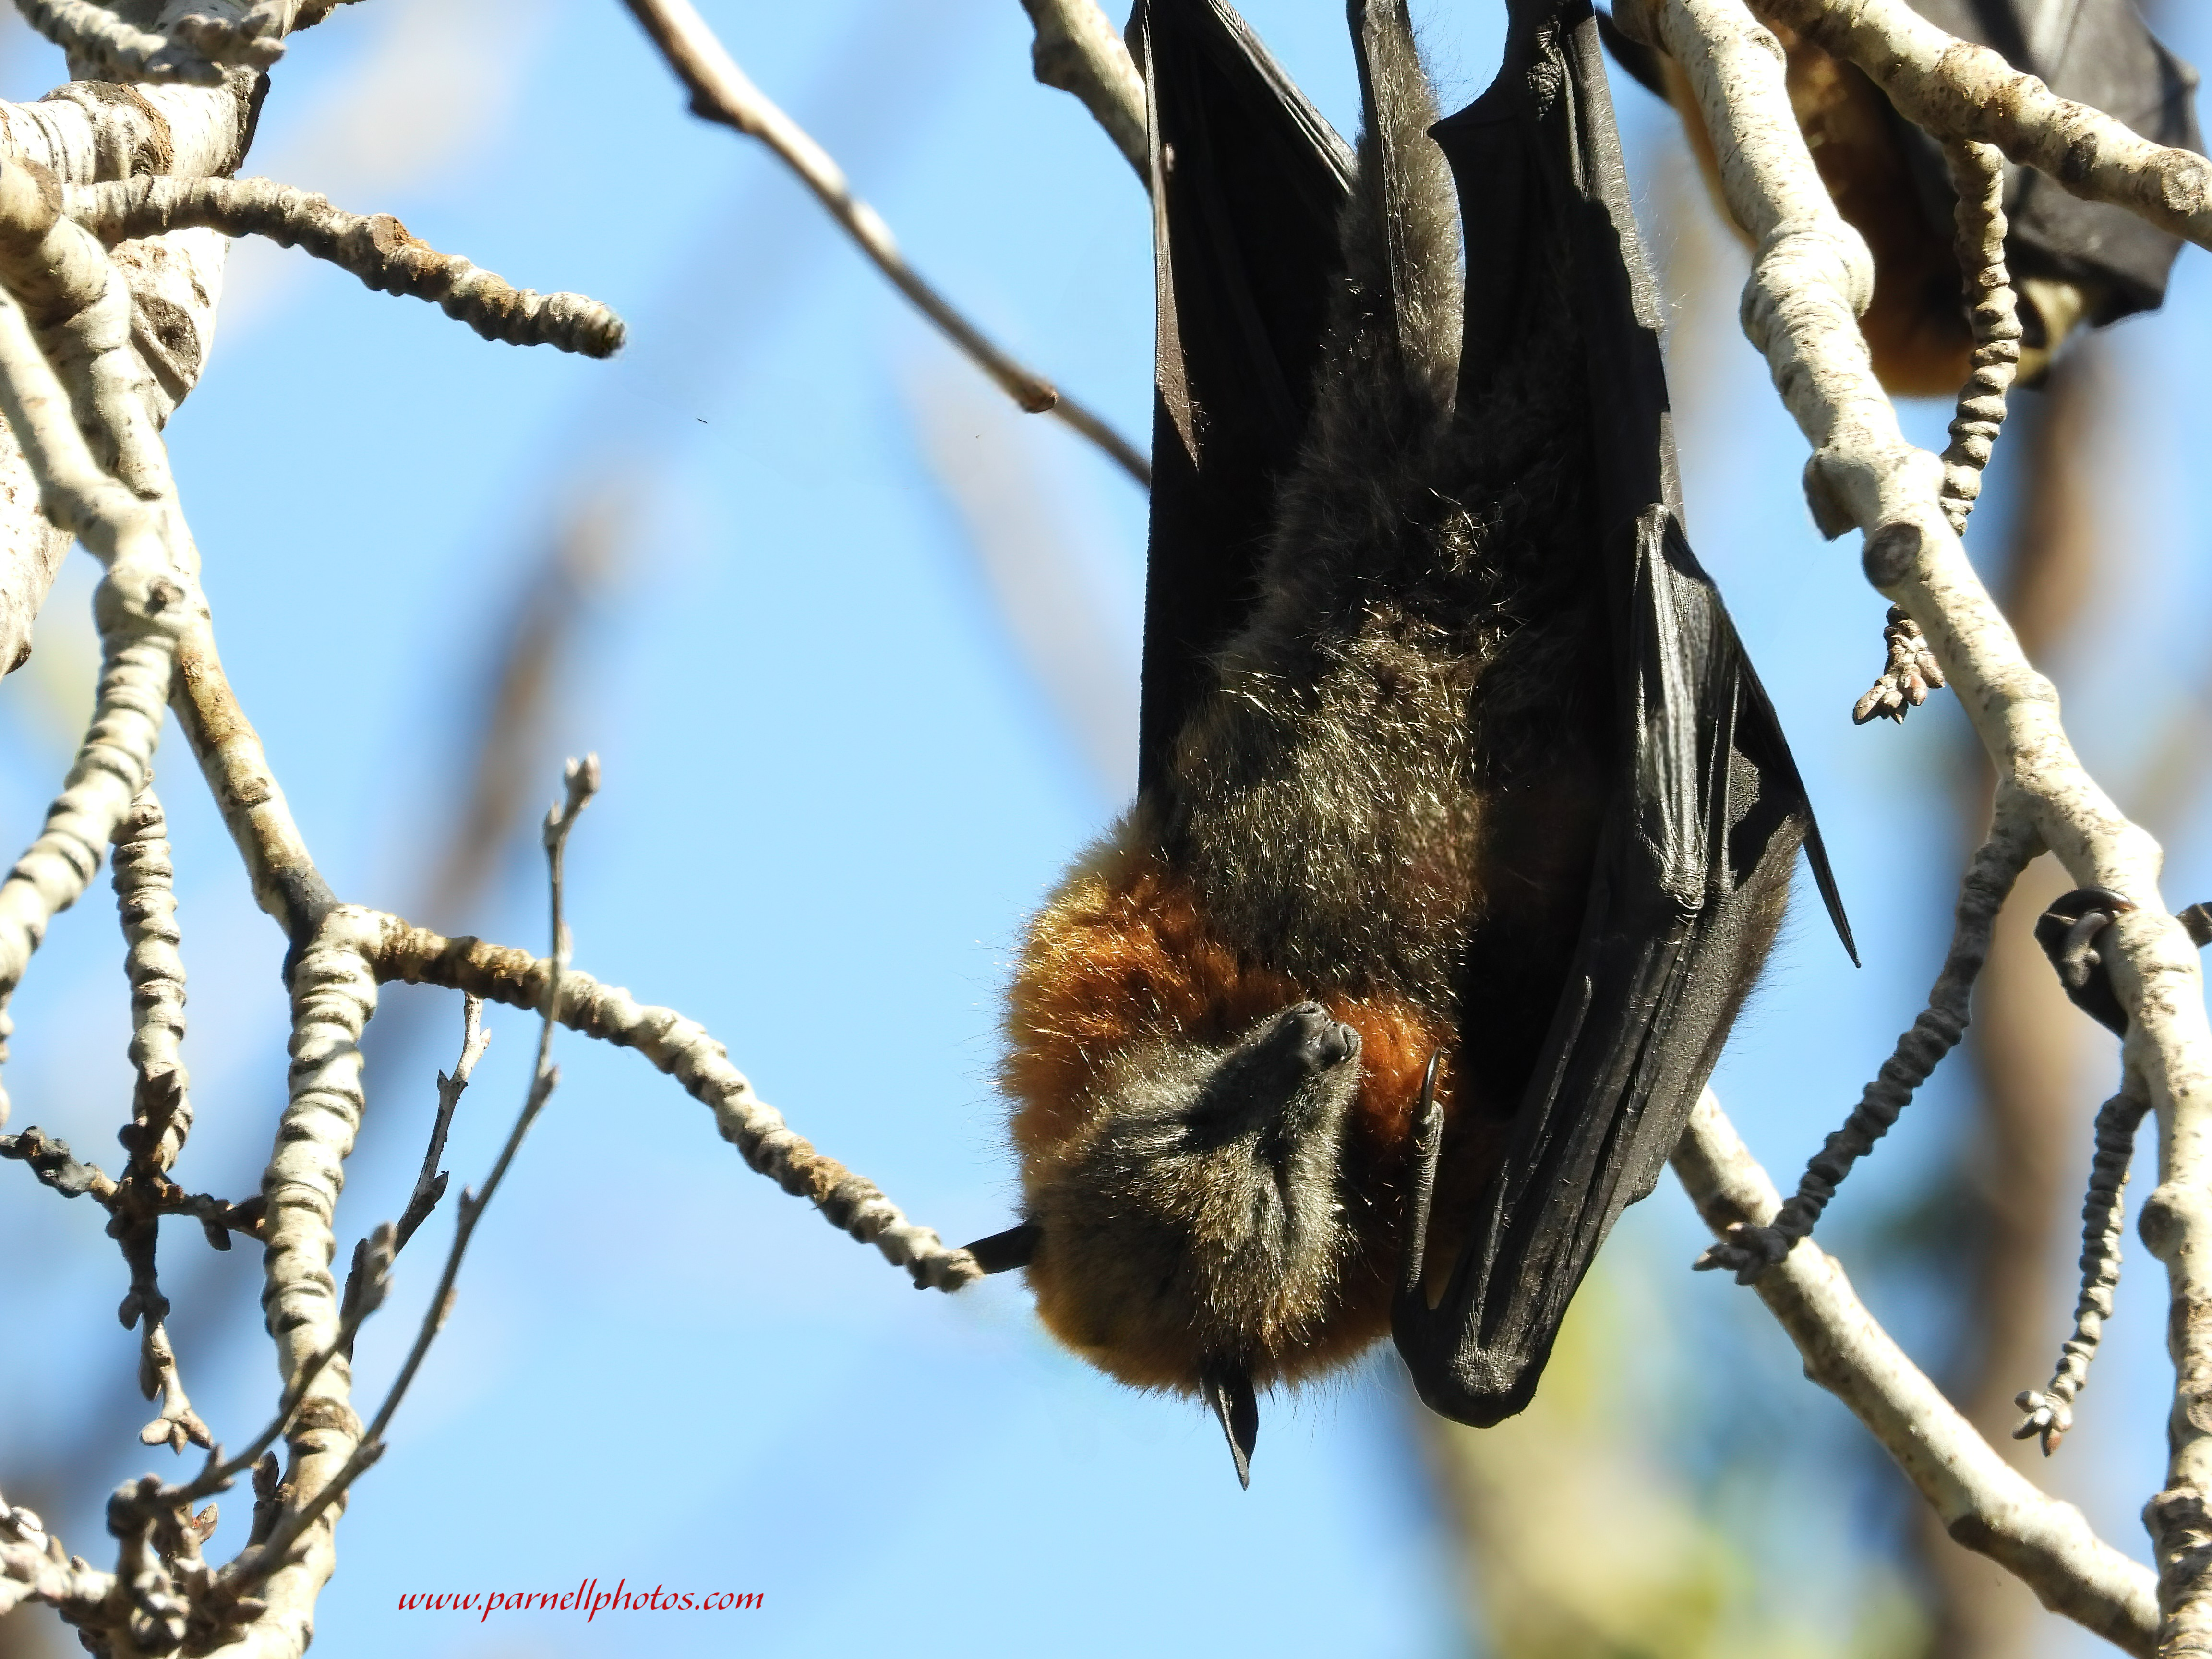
(1228, 1388)
(1016, 1247)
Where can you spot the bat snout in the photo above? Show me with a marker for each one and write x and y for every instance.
(1313, 1040)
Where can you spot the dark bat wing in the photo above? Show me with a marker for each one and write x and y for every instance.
(1708, 813)
(1248, 184)
(2098, 52)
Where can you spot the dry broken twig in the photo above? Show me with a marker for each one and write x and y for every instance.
(1078, 51)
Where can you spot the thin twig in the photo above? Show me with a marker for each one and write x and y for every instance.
(721, 92)
(255, 1565)
(2104, 1214)
(682, 1048)
(160, 1106)
(375, 247)
(1977, 177)
(430, 1184)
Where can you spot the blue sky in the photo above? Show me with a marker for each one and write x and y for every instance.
(833, 789)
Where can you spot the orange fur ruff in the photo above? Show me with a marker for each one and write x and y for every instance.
(1121, 955)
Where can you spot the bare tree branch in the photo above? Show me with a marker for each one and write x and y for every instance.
(430, 1183)
(721, 92)
(375, 247)
(1078, 51)
(1958, 90)
(1985, 1503)
(1811, 276)
(1977, 176)
(677, 1045)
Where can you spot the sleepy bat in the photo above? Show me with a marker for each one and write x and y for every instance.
(2074, 264)
(1463, 822)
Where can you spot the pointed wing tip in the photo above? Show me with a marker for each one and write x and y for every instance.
(1824, 878)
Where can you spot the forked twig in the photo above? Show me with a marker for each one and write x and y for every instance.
(256, 1563)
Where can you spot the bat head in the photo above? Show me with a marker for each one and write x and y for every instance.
(1197, 1227)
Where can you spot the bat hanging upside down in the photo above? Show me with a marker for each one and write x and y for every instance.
(2074, 264)
(1464, 825)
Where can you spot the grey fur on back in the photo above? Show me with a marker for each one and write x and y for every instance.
(1407, 750)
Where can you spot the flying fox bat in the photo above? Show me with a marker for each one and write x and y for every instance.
(1462, 823)
(2074, 264)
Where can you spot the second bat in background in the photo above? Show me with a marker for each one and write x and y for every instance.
(2075, 265)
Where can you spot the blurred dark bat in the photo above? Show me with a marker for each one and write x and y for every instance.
(1462, 823)
(2074, 264)
(2068, 932)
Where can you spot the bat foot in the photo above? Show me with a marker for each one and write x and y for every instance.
(1911, 673)
(2068, 932)
(2048, 1417)
(1745, 1251)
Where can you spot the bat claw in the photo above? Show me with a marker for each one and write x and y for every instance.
(2048, 1417)
(1912, 671)
(1745, 1251)
(1428, 1145)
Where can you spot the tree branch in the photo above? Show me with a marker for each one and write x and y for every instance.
(375, 247)
(1958, 90)
(721, 92)
(677, 1045)
(1078, 51)
(1986, 1504)
(1811, 276)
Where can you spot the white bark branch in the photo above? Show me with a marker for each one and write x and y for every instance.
(1985, 1503)
(83, 132)
(1959, 90)
(195, 52)
(1078, 51)
(1811, 276)
(333, 994)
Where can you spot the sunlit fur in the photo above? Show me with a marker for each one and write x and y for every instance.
(1388, 805)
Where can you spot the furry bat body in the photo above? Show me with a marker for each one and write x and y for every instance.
(2074, 263)
(1462, 823)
